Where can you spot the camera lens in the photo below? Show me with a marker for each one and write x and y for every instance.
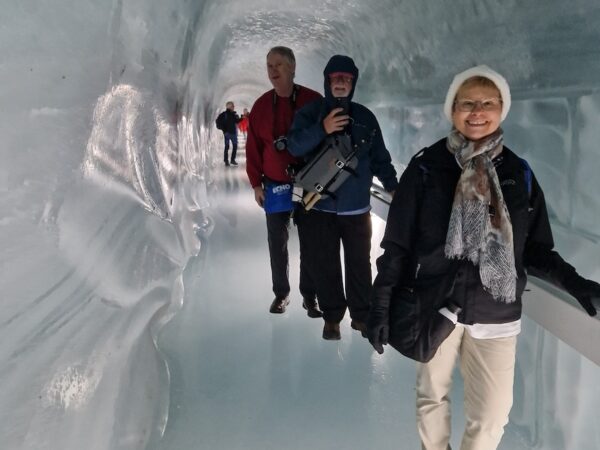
(280, 143)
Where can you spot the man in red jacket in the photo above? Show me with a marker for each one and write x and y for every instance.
(267, 160)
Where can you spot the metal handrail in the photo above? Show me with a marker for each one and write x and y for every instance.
(551, 308)
(380, 201)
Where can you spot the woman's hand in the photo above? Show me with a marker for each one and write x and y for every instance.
(378, 333)
(585, 291)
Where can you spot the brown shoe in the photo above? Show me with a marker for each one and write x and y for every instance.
(312, 308)
(359, 326)
(279, 304)
(331, 331)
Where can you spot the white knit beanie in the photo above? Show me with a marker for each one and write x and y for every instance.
(478, 71)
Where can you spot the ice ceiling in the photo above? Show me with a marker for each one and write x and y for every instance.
(106, 125)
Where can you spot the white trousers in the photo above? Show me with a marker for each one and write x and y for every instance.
(487, 367)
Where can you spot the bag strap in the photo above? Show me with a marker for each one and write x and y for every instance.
(528, 173)
(355, 150)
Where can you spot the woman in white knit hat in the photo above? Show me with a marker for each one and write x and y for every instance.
(467, 223)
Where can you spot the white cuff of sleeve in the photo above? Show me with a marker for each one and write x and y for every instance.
(449, 315)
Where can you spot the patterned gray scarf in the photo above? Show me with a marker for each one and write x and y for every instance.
(480, 229)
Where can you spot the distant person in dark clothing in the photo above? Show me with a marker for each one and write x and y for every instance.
(227, 122)
(343, 218)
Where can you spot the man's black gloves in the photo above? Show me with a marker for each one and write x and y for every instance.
(584, 291)
(378, 331)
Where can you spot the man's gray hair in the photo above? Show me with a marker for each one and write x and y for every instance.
(286, 52)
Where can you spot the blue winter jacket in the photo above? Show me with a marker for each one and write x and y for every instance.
(307, 133)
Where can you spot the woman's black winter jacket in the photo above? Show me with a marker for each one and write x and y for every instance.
(415, 237)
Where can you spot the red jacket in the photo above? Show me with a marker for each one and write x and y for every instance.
(265, 127)
(243, 124)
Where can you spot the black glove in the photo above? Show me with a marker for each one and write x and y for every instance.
(378, 331)
(584, 291)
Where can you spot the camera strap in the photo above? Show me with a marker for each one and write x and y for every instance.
(292, 99)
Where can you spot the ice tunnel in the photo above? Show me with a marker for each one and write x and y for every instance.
(134, 278)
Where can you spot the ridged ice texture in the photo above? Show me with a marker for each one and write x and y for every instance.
(105, 126)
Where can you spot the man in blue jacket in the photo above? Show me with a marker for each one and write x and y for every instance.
(344, 216)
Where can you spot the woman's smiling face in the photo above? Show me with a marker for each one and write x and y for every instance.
(477, 110)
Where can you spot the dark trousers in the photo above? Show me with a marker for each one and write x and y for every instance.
(233, 138)
(278, 225)
(323, 233)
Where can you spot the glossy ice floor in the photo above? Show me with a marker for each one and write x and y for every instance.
(242, 378)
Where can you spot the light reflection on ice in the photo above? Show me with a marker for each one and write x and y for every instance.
(71, 387)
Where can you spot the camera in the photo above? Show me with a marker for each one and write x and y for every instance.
(280, 143)
(344, 103)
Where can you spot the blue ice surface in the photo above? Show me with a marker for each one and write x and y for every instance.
(134, 273)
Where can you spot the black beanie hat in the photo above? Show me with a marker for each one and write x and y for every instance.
(339, 63)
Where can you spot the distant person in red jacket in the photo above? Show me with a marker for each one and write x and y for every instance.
(267, 160)
(243, 124)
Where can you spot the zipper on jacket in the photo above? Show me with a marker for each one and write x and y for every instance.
(417, 270)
